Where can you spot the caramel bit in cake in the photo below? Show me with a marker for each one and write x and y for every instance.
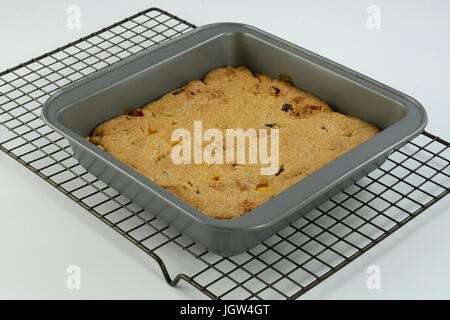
(174, 143)
(151, 131)
(138, 113)
(287, 107)
(277, 91)
(263, 186)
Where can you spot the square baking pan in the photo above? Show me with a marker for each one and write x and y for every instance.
(134, 82)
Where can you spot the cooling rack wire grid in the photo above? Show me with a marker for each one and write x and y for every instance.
(283, 267)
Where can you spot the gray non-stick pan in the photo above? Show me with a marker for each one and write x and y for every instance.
(77, 109)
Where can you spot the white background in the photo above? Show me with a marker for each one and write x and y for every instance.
(42, 231)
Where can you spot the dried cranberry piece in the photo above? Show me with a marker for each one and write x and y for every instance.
(277, 91)
(279, 172)
(287, 107)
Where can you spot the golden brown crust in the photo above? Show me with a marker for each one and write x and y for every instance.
(311, 135)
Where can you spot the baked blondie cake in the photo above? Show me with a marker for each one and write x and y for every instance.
(311, 135)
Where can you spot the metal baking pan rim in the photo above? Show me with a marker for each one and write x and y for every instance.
(246, 221)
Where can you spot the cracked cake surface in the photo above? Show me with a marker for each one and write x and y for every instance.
(311, 135)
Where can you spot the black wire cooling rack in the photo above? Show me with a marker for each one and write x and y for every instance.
(285, 266)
